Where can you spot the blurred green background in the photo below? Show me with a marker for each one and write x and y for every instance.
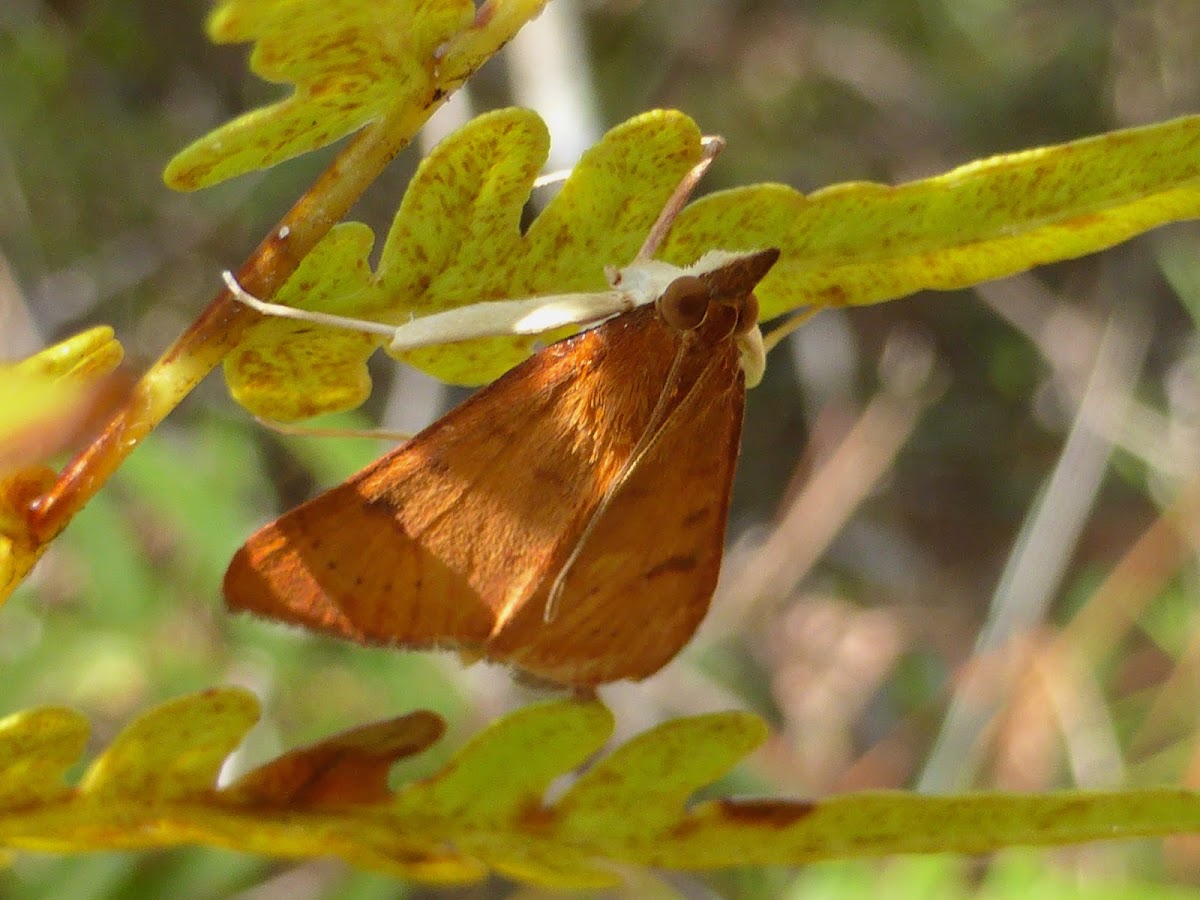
(948, 566)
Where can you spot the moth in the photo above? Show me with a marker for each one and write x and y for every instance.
(568, 519)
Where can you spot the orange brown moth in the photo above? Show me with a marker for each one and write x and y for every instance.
(568, 519)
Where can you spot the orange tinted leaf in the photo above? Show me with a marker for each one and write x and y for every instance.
(45, 398)
(349, 767)
(47, 402)
(19, 551)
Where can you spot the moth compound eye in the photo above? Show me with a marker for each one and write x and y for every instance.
(747, 316)
(684, 303)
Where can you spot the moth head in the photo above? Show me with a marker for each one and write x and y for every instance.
(731, 279)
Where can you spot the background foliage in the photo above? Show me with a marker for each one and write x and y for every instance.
(965, 404)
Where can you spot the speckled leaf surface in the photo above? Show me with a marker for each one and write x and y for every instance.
(351, 63)
(456, 239)
(487, 810)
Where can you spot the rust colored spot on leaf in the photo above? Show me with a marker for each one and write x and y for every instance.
(768, 813)
(537, 819)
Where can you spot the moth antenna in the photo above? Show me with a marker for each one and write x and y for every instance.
(710, 147)
(772, 338)
(654, 430)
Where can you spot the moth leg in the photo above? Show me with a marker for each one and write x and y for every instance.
(279, 311)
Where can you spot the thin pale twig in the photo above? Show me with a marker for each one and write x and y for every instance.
(1038, 560)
